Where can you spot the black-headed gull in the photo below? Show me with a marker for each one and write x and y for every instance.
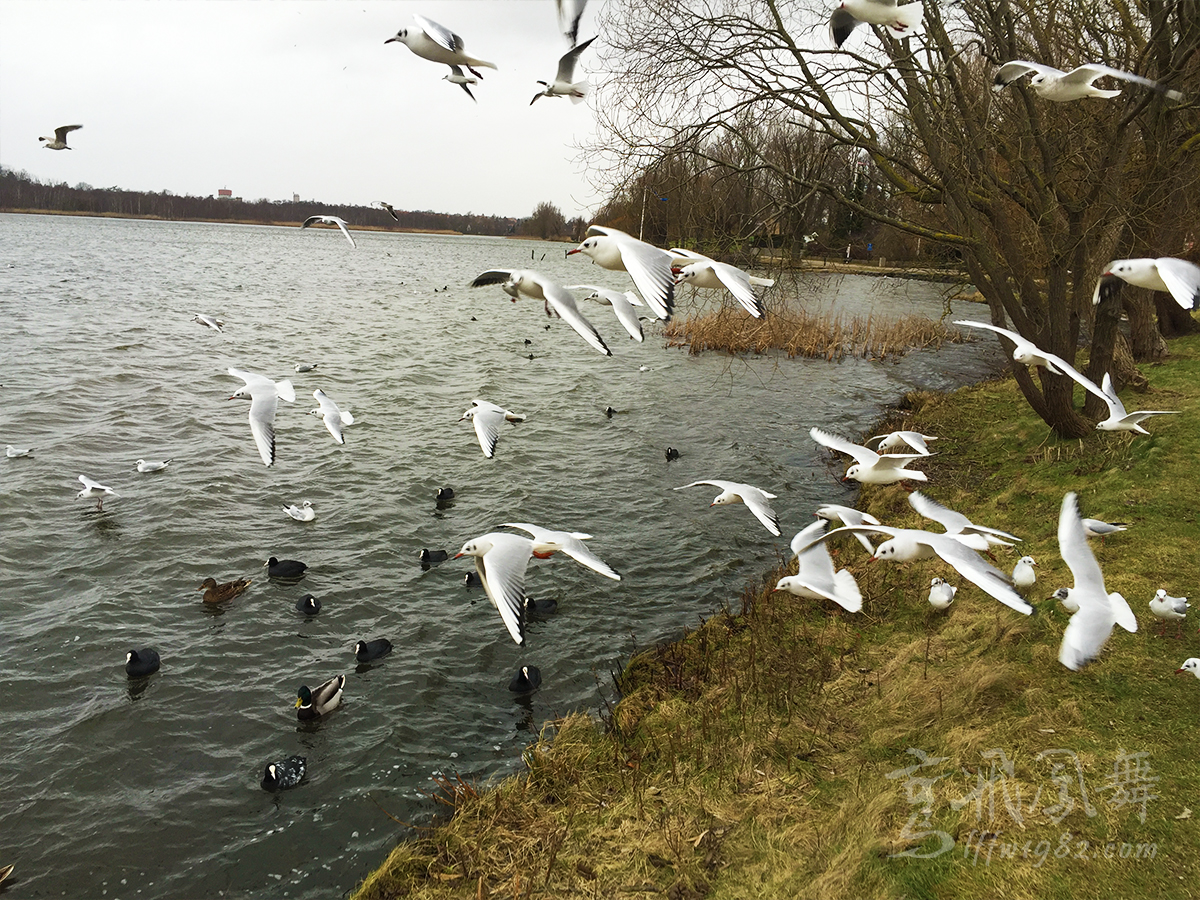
(94, 489)
(1099, 610)
(815, 578)
(1063, 87)
(547, 542)
(456, 76)
(754, 498)
(870, 467)
(623, 304)
(1023, 575)
(562, 86)
(941, 593)
(214, 324)
(906, 544)
(1190, 665)
(1178, 277)
(647, 265)
(305, 367)
(302, 513)
(335, 419)
(901, 21)
(59, 141)
(700, 271)
(383, 204)
(16, 452)
(899, 440)
(1025, 351)
(834, 512)
(1118, 418)
(146, 465)
(264, 397)
(958, 525)
(1167, 608)
(1101, 529)
(501, 559)
(439, 44)
(557, 299)
(487, 419)
(331, 220)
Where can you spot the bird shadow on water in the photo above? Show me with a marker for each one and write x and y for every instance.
(103, 521)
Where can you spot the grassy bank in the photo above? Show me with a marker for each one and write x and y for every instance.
(765, 753)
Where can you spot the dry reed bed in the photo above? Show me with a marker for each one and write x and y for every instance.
(800, 333)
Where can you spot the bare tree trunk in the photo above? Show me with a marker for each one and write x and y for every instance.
(1144, 340)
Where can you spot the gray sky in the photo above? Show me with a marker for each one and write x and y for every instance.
(281, 96)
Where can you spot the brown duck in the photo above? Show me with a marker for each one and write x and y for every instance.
(220, 593)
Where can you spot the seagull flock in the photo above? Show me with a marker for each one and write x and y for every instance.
(502, 557)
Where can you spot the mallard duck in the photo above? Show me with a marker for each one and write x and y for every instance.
(526, 680)
(141, 662)
(220, 593)
(284, 773)
(285, 568)
(314, 704)
(365, 651)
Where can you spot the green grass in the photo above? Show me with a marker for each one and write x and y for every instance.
(750, 758)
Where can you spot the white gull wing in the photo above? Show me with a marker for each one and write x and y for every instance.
(1026, 351)
(566, 62)
(897, 439)
(1075, 552)
(815, 570)
(1011, 71)
(899, 20)
(439, 34)
(547, 541)
(331, 220)
(754, 498)
(264, 402)
(1182, 279)
(965, 561)
(564, 304)
(90, 487)
(501, 560)
(849, 516)
(647, 265)
(214, 324)
(1087, 73)
(487, 419)
(955, 522)
(864, 456)
(710, 273)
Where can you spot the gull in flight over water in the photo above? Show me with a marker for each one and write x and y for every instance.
(1063, 87)
(387, 206)
(898, 440)
(335, 419)
(754, 498)
(264, 397)
(647, 265)
(700, 271)
(557, 299)
(94, 489)
(562, 86)
(456, 76)
(623, 305)
(214, 324)
(547, 542)
(439, 44)
(901, 21)
(1026, 352)
(1178, 277)
(487, 419)
(331, 220)
(870, 467)
(59, 141)
(815, 578)
(501, 559)
(1099, 610)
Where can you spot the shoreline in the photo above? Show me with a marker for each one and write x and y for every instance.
(768, 746)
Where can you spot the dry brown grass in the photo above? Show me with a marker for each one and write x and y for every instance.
(799, 333)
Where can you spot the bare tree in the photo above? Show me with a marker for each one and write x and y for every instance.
(1034, 196)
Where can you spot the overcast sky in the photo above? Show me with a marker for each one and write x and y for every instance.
(295, 96)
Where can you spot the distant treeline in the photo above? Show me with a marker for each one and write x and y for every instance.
(21, 191)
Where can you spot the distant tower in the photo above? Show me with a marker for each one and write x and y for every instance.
(295, 198)
(224, 194)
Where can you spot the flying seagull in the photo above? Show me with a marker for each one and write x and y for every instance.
(569, 14)
(439, 44)
(754, 498)
(264, 397)
(815, 578)
(557, 299)
(1180, 278)
(501, 559)
(1062, 87)
(901, 21)
(562, 86)
(331, 220)
(622, 304)
(59, 141)
(870, 467)
(456, 76)
(647, 265)
(335, 419)
(94, 489)
(700, 271)
(391, 212)
(547, 542)
(1026, 352)
(487, 419)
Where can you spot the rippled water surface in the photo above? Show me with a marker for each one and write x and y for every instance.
(150, 788)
